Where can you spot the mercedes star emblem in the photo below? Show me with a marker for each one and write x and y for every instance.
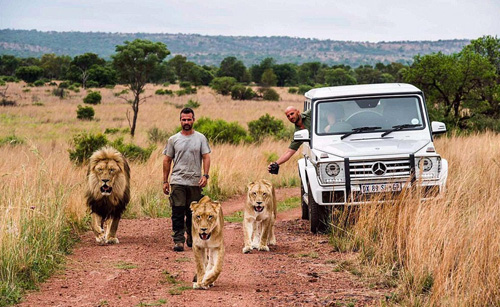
(379, 168)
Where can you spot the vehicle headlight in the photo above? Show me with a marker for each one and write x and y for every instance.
(425, 164)
(332, 169)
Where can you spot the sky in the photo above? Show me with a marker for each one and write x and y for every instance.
(350, 20)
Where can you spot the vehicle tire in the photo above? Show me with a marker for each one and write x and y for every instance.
(305, 207)
(318, 215)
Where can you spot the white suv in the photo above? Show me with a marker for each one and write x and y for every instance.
(366, 140)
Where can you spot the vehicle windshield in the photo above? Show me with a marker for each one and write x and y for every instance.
(342, 116)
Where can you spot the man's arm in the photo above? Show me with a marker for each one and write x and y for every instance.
(167, 162)
(206, 169)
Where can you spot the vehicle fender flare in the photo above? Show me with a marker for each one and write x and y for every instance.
(313, 183)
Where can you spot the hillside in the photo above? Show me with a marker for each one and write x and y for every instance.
(210, 50)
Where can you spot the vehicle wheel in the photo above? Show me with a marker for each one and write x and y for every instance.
(318, 215)
(305, 208)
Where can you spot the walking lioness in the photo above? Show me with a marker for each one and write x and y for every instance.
(259, 216)
(208, 241)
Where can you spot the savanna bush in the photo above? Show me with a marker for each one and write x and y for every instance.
(240, 92)
(164, 92)
(39, 83)
(156, 135)
(266, 125)
(223, 85)
(85, 113)
(11, 140)
(193, 104)
(84, 144)
(133, 152)
(304, 88)
(269, 94)
(93, 98)
(293, 90)
(59, 92)
(220, 131)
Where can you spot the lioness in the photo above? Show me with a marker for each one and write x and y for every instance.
(259, 216)
(208, 241)
(108, 192)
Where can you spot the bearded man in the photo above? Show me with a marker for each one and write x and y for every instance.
(187, 150)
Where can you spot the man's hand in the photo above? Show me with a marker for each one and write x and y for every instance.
(166, 188)
(273, 168)
(203, 182)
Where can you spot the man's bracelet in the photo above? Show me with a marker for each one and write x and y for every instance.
(165, 182)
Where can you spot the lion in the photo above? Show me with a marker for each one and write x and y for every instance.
(208, 242)
(108, 192)
(259, 216)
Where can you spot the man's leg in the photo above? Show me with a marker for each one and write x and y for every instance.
(177, 201)
(193, 195)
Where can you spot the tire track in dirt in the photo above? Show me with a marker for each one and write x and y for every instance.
(299, 271)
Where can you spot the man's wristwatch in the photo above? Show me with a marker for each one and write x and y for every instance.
(206, 176)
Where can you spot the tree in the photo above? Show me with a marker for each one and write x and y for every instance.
(232, 67)
(8, 65)
(286, 74)
(256, 71)
(452, 80)
(269, 78)
(29, 74)
(55, 67)
(81, 65)
(338, 76)
(135, 62)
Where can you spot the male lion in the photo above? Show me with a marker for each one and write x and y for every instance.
(108, 192)
(259, 216)
(208, 242)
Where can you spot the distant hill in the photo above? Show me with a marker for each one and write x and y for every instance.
(210, 50)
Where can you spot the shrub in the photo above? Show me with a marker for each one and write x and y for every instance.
(92, 83)
(111, 130)
(84, 145)
(264, 126)
(223, 85)
(304, 88)
(63, 84)
(38, 83)
(240, 92)
(11, 140)
(85, 113)
(155, 135)
(2, 83)
(185, 84)
(164, 92)
(269, 94)
(293, 90)
(193, 104)
(93, 98)
(59, 92)
(52, 83)
(220, 131)
(133, 152)
(7, 103)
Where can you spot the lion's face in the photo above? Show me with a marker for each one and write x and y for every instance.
(260, 195)
(108, 174)
(205, 217)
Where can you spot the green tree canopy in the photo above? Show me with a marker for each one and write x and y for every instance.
(134, 63)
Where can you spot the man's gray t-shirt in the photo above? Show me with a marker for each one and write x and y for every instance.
(186, 152)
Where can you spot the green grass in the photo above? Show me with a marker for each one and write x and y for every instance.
(236, 217)
(178, 290)
(122, 265)
(305, 255)
(183, 259)
(156, 303)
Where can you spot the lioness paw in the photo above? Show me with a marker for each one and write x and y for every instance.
(264, 248)
(247, 249)
(198, 286)
(112, 241)
(100, 240)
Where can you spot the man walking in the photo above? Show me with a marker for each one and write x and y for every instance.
(186, 149)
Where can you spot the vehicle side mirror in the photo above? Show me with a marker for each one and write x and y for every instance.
(438, 127)
(302, 135)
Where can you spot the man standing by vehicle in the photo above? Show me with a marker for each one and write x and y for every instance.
(301, 121)
(187, 149)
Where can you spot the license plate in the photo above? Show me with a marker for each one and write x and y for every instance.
(381, 187)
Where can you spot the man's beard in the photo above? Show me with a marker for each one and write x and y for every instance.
(187, 127)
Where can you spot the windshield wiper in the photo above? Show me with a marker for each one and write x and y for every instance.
(358, 130)
(399, 128)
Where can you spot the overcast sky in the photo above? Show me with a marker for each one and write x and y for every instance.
(354, 20)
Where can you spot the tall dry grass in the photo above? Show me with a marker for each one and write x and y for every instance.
(446, 251)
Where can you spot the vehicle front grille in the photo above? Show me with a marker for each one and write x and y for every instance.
(379, 169)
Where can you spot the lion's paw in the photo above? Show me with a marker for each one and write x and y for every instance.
(112, 241)
(198, 286)
(100, 240)
(264, 248)
(247, 249)
(272, 241)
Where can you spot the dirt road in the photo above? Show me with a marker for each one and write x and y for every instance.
(144, 271)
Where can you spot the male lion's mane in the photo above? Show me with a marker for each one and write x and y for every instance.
(114, 204)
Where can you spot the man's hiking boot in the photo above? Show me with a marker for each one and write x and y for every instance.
(178, 247)
(189, 241)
